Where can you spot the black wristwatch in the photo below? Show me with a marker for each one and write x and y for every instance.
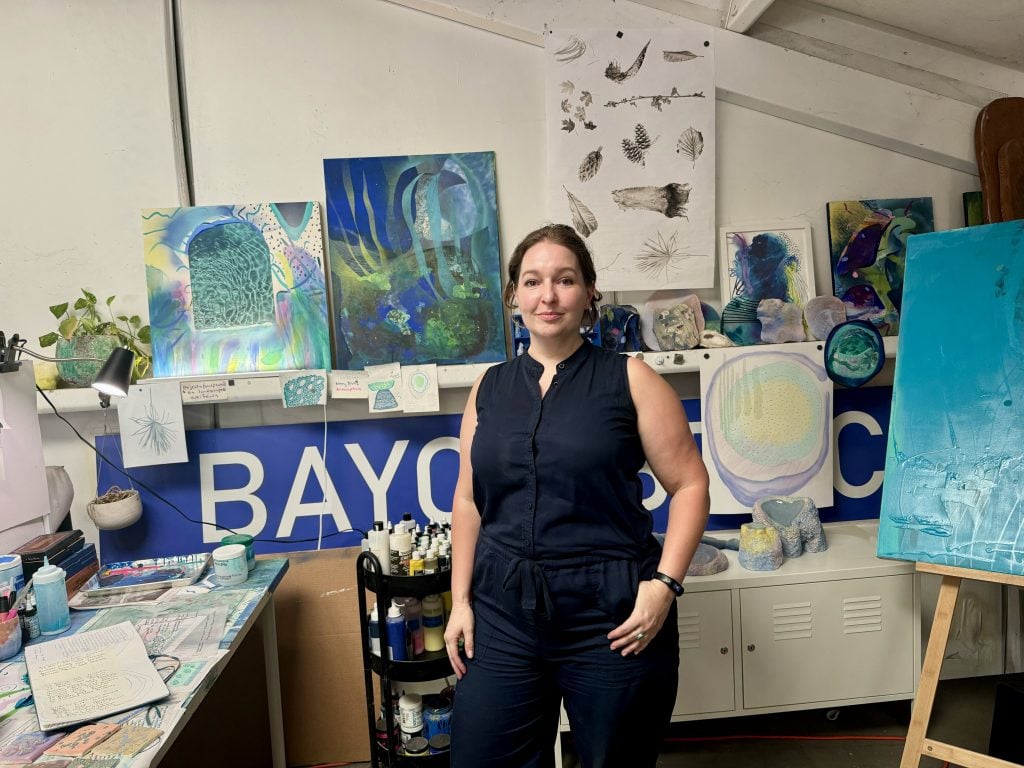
(671, 583)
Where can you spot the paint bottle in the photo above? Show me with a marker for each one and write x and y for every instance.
(433, 623)
(52, 598)
(410, 716)
(401, 552)
(413, 613)
(396, 633)
(416, 563)
(32, 619)
(374, 630)
(380, 546)
(430, 561)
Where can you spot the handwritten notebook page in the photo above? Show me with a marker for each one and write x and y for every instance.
(91, 675)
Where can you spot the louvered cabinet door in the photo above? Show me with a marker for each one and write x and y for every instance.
(827, 641)
(705, 654)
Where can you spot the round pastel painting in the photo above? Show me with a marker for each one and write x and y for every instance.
(854, 353)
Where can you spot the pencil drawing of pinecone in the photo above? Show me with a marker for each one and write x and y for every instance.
(636, 151)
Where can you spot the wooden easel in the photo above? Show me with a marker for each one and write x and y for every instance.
(917, 744)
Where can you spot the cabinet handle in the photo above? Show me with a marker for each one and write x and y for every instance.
(751, 647)
(723, 650)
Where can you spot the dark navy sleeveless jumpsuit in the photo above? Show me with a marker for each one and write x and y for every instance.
(564, 542)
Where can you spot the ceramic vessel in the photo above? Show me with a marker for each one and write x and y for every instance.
(82, 373)
(116, 514)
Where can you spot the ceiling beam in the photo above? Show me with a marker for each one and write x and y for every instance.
(743, 13)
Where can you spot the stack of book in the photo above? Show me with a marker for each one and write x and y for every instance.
(66, 549)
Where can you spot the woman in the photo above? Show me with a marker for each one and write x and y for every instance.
(559, 589)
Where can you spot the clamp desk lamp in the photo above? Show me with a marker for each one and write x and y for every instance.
(113, 379)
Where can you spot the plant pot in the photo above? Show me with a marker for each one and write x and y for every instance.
(114, 515)
(82, 374)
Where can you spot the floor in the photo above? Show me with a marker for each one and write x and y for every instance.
(863, 736)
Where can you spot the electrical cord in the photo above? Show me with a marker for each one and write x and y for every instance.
(156, 495)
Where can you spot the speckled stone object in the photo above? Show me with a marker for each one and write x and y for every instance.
(714, 340)
(706, 561)
(760, 547)
(781, 321)
(796, 520)
(823, 313)
(676, 328)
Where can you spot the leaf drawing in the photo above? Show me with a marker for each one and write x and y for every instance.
(680, 55)
(567, 87)
(586, 99)
(580, 114)
(583, 219)
(589, 125)
(613, 72)
(636, 151)
(657, 100)
(690, 144)
(568, 125)
(571, 50)
(566, 106)
(670, 201)
(591, 165)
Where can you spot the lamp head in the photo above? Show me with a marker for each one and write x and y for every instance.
(115, 376)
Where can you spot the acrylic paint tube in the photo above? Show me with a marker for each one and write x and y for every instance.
(380, 546)
(374, 628)
(396, 633)
(433, 623)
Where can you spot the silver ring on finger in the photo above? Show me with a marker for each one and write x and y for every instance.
(640, 637)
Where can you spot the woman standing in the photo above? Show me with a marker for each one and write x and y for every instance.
(560, 592)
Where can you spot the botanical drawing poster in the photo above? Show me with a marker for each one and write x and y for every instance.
(631, 161)
(767, 425)
(152, 425)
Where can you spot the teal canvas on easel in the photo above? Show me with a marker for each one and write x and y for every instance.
(954, 468)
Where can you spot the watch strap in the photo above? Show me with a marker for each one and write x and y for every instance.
(671, 583)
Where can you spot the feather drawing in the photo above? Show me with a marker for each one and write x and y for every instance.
(613, 72)
(583, 219)
(690, 144)
(670, 200)
(680, 55)
(571, 50)
(591, 165)
(636, 151)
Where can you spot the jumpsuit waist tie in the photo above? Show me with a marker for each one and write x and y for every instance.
(527, 576)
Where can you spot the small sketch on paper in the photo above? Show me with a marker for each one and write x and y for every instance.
(591, 164)
(670, 200)
(303, 389)
(614, 73)
(636, 151)
(660, 256)
(583, 219)
(421, 395)
(658, 100)
(155, 429)
(571, 51)
(690, 144)
(384, 385)
(677, 56)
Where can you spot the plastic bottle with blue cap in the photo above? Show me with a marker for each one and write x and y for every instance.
(51, 599)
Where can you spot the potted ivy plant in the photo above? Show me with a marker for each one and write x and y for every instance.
(85, 332)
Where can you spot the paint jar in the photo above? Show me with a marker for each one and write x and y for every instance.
(10, 635)
(439, 743)
(416, 747)
(382, 734)
(11, 571)
(433, 623)
(229, 564)
(246, 541)
(437, 715)
(51, 599)
(410, 714)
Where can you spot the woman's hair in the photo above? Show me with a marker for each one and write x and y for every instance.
(565, 236)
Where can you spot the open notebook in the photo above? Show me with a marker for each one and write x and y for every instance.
(90, 675)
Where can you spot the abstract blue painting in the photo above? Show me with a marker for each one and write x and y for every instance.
(954, 468)
(413, 253)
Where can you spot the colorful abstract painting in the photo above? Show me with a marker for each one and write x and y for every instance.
(236, 288)
(954, 473)
(974, 209)
(413, 253)
(868, 245)
(767, 425)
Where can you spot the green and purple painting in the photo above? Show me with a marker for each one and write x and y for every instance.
(236, 288)
(414, 260)
(868, 245)
(954, 473)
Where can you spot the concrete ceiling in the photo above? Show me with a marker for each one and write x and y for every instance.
(990, 28)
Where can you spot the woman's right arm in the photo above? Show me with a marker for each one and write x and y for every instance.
(465, 531)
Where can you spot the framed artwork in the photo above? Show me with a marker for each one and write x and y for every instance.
(413, 254)
(767, 261)
(236, 288)
(868, 246)
(767, 425)
(954, 475)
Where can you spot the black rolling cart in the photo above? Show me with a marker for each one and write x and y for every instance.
(432, 665)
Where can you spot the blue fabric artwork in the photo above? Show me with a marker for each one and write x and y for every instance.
(953, 491)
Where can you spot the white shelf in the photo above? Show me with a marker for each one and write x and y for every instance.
(248, 387)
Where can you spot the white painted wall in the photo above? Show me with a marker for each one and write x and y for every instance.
(275, 87)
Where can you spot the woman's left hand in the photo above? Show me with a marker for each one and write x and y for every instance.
(653, 601)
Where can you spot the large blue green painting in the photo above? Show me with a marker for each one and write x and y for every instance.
(954, 468)
(414, 260)
(236, 288)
